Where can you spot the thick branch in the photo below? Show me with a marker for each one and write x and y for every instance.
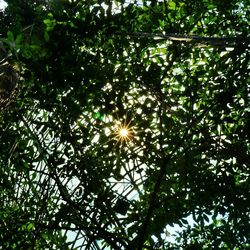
(212, 41)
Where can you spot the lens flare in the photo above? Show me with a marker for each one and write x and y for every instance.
(123, 133)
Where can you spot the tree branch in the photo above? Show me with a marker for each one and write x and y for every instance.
(142, 232)
(110, 238)
(212, 41)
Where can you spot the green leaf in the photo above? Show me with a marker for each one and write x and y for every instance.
(30, 226)
(19, 39)
(46, 36)
(10, 37)
(171, 5)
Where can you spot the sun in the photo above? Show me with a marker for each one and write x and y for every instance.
(123, 133)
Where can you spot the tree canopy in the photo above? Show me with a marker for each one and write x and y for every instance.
(130, 125)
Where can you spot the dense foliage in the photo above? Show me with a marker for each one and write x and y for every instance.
(175, 73)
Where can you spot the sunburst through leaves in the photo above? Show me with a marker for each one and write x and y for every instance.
(123, 132)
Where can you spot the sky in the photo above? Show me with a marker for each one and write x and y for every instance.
(2, 4)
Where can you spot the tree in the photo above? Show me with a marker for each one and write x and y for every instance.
(174, 76)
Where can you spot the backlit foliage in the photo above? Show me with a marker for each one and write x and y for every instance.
(132, 122)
